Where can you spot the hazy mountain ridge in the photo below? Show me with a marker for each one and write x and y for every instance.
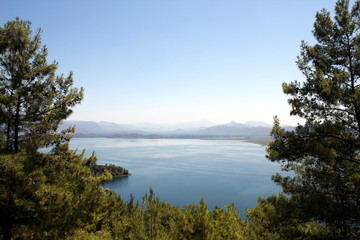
(153, 130)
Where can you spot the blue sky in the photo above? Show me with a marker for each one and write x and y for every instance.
(175, 60)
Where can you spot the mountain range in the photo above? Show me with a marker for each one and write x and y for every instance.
(181, 130)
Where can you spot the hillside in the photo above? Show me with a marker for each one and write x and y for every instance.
(184, 130)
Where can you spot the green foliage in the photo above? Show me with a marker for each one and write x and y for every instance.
(324, 152)
(277, 218)
(33, 99)
(47, 195)
(115, 171)
(155, 219)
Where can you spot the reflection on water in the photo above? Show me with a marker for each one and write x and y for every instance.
(184, 170)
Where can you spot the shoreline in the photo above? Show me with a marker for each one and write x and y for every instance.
(263, 141)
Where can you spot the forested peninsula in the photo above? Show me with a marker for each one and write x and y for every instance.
(59, 194)
(114, 170)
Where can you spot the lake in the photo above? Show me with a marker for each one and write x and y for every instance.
(182, 171)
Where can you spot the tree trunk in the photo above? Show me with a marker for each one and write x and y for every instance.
(352, 79)
(16, 126)
(7, 222)
(8, 142)
(7, 233)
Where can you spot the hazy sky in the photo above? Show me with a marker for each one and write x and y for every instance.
(175, 60)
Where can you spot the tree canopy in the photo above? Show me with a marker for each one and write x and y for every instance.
(33, 99)
(324, 152)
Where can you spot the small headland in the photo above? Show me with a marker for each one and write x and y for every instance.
(114, 170)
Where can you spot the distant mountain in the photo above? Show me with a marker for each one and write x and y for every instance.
(257, 124)
(234, 124)
(195, 125)
(82, 126)
(236, 129)
(156, 127)
(88, 127)
(154, 130)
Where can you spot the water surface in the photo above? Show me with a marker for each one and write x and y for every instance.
(182, 171)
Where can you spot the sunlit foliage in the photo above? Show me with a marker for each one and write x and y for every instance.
(324, 152)
(33, 99)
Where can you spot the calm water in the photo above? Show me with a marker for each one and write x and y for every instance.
(182, 171)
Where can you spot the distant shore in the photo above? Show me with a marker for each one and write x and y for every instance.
(264, 141)
(260, 140)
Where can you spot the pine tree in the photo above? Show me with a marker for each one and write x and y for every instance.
(324, 152)
(33, 99)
